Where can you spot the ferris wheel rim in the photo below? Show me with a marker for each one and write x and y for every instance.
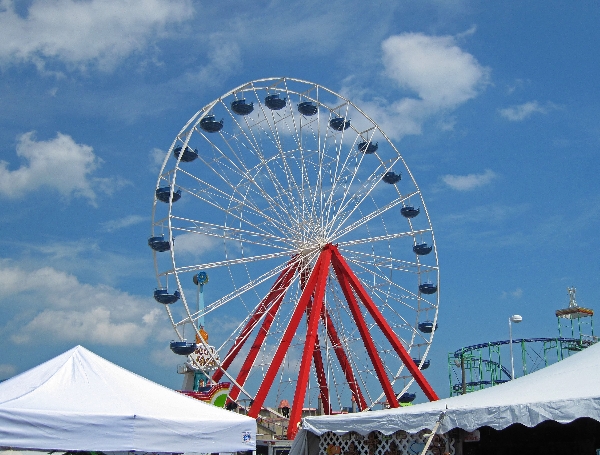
(186, 133)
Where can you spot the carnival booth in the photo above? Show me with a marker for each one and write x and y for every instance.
(79, 401)
(553, 410)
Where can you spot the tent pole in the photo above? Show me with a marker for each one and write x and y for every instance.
(433, 432)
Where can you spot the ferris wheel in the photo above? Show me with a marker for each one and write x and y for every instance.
(322, 259)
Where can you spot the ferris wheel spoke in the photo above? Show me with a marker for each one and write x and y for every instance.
(249, 182)
(384, 262)
(365, 219)
(245, 288)
(235, 294)
(231, 233)
(344, 177)
(230, 262)
(349, 207)
(267, 307)
(304, 178)
(263, 164)
(274, 137)
(386, 282)
(287, 168)
(235, 210)
(382, 238)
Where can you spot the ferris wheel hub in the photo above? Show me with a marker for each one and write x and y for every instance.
(309, 249)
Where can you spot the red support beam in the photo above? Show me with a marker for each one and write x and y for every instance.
(340, 263)
(255, 349)
(309, 344)
(321, 377)
(317, 357)
(343, 360)
(285, 341)
(275, 295)
(364, 333)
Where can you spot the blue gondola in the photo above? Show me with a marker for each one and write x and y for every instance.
(391, 177)
(182, 347)
(428, 288)
(210, 125)
(422, 249)
(407, 397)
(163, 296)
(368, 147)
(425, 365)
(427, 326)
(274, 103)
(339, 123)
(188, 154)
(159, 244)
(409, 211)
(307, 108)
(241, 108)
(164, 194)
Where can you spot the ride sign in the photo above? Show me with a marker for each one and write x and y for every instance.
(203, 357)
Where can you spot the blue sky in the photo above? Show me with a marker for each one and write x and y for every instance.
(494, 107)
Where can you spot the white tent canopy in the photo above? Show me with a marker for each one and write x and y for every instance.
(561, 392)
(80, 401)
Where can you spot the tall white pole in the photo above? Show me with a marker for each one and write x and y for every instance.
(516, 319)
(512, 359)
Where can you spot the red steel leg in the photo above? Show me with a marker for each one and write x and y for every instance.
(365, 335)
(339, 263)
(317, 357)
(309, 344)
(276, 295)
(286, 340)
(255, 349)
(343, 360)
(321, 377)
(319, 367)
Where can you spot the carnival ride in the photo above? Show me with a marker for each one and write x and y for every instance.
(481, 365)
(317, 236)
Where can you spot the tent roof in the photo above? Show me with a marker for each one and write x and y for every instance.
(80, 401)
(563, 392)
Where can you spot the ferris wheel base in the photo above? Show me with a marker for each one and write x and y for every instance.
(215, 394)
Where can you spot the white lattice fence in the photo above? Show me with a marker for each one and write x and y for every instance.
(376, 443)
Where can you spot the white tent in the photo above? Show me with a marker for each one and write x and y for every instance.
(561, 392)
(80, 401)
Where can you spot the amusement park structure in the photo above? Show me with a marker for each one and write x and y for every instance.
(321, 254)
(481, 365)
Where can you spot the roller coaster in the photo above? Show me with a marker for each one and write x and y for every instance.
(481, 365)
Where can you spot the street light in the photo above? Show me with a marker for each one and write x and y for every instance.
(516, 319)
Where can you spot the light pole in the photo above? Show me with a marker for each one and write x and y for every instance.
(516, 319)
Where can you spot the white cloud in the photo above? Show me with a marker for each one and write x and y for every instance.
(470, 181)
(115, 225)
(165, 358)
(224, 59)
(522, 111)
(195, 244)
(434, 67)
(79, 33)
(156, 158)
(7, 371)
(489, 214)
(54, 305)
(516, 294)
(440, 75)
(58, 163)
